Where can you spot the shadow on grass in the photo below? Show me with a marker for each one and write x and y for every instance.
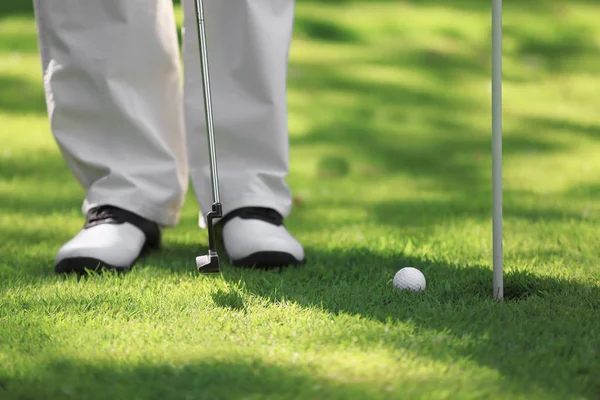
(34, 170)
(544, 337)
(209, 378)
(16, 44)
(324, 30)
(9, 8)
(559, 48)
(26, 254)
(21, 96)
(422, 217)
(423, 134)
(567, 127)
(549, 6)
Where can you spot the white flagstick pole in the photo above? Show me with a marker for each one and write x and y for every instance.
(497, 148)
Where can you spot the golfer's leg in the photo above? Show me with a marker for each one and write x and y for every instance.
(112, 83)
(112, 80)
(248, 44)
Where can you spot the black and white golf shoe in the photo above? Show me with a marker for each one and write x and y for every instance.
(111, 239)
(256, 237)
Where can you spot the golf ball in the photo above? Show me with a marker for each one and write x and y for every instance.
(409, 279)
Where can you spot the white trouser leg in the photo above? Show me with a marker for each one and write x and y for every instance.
(112, 81)
(248, 45)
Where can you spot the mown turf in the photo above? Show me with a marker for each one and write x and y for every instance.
(390, 144)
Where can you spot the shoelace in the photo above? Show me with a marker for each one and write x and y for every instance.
(110, 214)
(101, 214)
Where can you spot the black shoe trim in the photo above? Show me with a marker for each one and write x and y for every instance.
(267, 260)
(81, 265)
(262, 213)
(113, 215)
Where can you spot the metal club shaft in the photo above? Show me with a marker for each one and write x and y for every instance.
(498, 273)
(208, 264)
(207, 101)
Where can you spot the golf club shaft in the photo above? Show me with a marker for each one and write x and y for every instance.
(498, 273)
(207, 101)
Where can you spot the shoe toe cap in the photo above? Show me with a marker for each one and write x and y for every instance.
(117, 245)
(243, 238)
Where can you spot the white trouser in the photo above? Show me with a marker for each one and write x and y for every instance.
(132, 135)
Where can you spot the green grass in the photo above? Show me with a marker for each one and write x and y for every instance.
(391, 167)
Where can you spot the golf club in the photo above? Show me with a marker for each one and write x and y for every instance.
(498, 273)
(208, 264)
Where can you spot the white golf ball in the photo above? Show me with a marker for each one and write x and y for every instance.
(410, 279)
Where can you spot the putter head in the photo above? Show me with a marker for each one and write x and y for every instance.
(208, 264)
